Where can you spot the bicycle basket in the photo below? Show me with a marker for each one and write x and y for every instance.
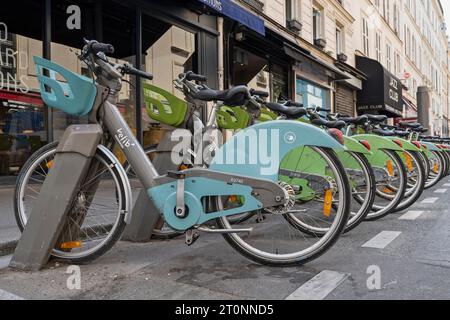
(232, 118)
(163, 106)
(267, 115)
(74, 95)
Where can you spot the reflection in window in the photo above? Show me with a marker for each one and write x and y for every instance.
(168, 51)
(22, 125)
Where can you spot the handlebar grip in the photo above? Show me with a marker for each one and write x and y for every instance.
(294, 104)
(320, 109)
(190, 76)
(259, 93)
(133, 71)
(97, 47)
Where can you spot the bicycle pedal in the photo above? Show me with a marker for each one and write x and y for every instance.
(260, 218)
(191, 237)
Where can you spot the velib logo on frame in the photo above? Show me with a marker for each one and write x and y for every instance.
(216, 4)
(123, 140)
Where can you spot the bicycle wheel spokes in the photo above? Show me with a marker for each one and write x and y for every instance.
(308, 226)
(390, 176)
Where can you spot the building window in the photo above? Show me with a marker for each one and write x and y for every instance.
(388, 57)
(378, 46)
(339, 42)
(293, 10)
(396, 19)
(293, 15)
(365, 36)
(317, 24)
(397, 67)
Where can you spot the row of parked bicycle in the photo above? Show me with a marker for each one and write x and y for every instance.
(332, 171)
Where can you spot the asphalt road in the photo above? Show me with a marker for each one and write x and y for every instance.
(403, 256)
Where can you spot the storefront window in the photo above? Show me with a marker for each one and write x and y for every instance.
(259, 73)
(168, 50)
(22, 123)
(112, 24)
(312, 95)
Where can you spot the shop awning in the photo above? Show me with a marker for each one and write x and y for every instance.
(381, 92)
(236, 12)
(302, 54)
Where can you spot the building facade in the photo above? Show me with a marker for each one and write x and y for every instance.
(352, 56)
(408, 37)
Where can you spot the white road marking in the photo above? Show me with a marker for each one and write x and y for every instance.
(440, 191)
(4, 261)
(5, 295)
(381, 240)
(411, 215)
(429, 200)
(319, 287)
(446, 185)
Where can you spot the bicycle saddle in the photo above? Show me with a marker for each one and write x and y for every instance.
(410, 125)
(384, 133)
(234, 97)
(401, 133)
(329, 124)
(290, 112)
(361, 120)
(376, 118)
(420, 129)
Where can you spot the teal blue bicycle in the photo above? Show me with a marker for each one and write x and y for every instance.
(238, 177)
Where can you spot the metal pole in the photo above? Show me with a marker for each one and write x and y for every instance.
(46, 53)
(138, 79)
(423, 106)
(98, 14)
(220, 57)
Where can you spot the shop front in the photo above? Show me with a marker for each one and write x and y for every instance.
(381, 92)
(256, 60)
(274, 64)
(162, 37)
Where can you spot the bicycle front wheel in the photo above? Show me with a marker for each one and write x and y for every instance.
(276, 238)
(96, 219)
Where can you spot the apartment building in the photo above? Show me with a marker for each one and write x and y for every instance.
(353, 56)
(400, 45)
(408, 37)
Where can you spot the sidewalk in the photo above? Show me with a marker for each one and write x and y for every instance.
(9, 233)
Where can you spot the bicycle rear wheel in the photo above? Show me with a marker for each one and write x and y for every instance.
(437, 165)
(416, 176)
(391, 180)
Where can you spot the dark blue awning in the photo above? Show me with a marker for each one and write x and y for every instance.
(236, 12)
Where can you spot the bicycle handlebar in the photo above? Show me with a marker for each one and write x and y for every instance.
(97, 47)
(126, 68)
(191, 76)
(259, 93)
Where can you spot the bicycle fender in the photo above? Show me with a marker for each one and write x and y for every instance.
(406, 144)
(257, 151)
(378, 142)
(430, 146)
(354, 145)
